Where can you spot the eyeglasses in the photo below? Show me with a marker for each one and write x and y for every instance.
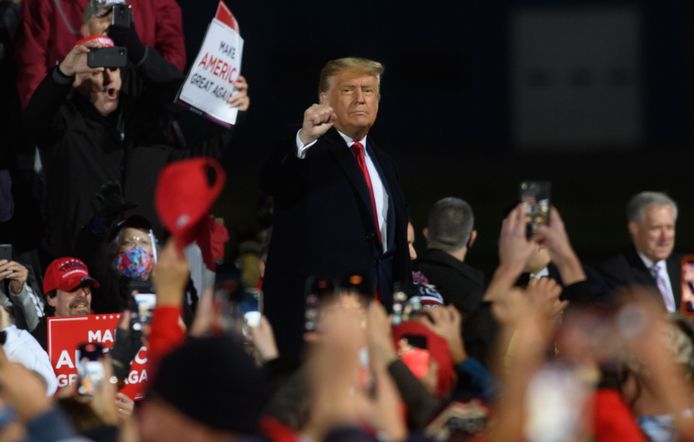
(133, 241)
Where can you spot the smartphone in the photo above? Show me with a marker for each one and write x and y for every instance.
(136, 286)
(6, 252)
(399, 303)
(317, 290)
(250, 305)
(122, 15)
(228, 319)
(414, 353)
(687, 297)
(113, 57)
(141, 308)
(535, 197)
(237, 309)
(90, 368)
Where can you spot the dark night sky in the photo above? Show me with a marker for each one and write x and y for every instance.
(447, 63)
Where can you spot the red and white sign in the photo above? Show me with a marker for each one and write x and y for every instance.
(65, 334)
(210, 82)
(225, 15)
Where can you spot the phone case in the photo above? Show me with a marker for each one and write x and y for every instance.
(687, 297)
(115, 57)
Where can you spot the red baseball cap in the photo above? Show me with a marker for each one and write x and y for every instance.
(67, 274)
(185, 193)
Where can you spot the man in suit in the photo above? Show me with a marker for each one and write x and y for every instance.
(338, 207)
(450, 234)
(650, 262)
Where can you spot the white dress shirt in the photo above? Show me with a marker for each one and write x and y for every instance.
(21, 347)
(380, 194)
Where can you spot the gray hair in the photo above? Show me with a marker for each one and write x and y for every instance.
(450, 224)
(639, 203)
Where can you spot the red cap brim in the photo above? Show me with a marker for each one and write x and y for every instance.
(71, 284)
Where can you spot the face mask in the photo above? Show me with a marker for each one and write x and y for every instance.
(134, 263)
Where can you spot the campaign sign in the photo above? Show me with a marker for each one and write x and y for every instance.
(65, 334)
(210, 82)
(225, 15)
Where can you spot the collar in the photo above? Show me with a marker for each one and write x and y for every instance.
(649, 263)
(350, 140)
(543, 273)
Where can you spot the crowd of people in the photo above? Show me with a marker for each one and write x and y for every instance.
(336, 328)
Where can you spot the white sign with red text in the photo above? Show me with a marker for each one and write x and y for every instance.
(210, 82)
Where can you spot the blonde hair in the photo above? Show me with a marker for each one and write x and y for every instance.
(361, 65)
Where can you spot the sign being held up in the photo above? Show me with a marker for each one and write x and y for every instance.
(210, 82)
(65, 334)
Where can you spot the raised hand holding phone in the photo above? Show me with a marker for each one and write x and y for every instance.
(264, 340)
(113, 57)
(75, 62)
(554, 237)
(535, 197)
(447, 322)
(90, 368)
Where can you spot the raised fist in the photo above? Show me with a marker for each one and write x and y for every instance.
(317, 120)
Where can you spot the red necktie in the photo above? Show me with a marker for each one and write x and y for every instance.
(358, 151)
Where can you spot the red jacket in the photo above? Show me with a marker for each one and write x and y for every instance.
(613, 419)
(165, 336)
(51, 28)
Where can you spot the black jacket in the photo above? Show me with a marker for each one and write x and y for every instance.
(627, 269)
(579, 293)
(460, 284)
(323, 226)
(81, 150)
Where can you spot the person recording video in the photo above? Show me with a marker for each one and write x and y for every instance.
(100, 116)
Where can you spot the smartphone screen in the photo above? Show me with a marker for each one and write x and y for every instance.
(535, 197)
(90, 368)
(687, 300)
(399, 302)
(6, 252)
(250, 306)
(141, 308)
(237, 308)
(317, 291)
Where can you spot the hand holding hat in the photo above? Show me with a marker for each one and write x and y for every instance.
(185, 194)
